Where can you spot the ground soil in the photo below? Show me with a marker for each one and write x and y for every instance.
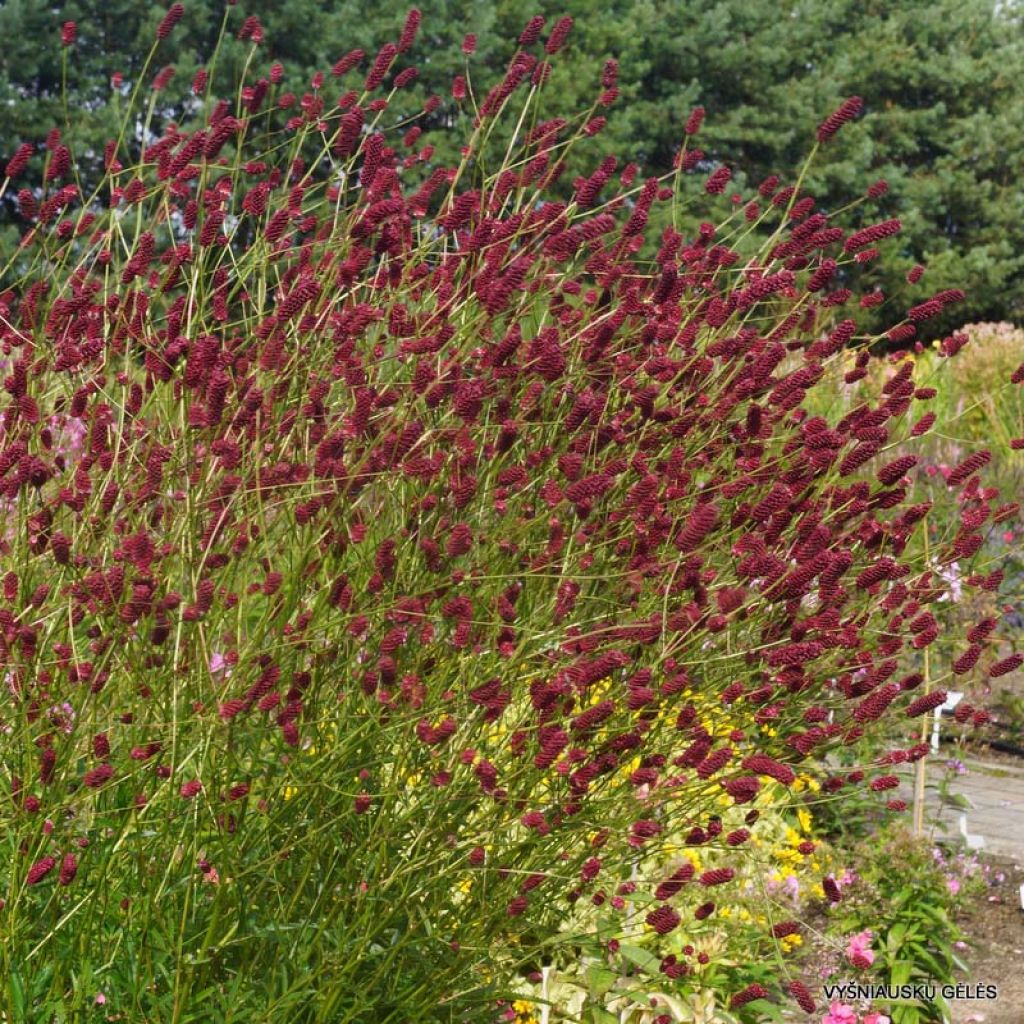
(995, 933)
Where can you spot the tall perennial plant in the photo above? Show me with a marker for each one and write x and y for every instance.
(371, 526)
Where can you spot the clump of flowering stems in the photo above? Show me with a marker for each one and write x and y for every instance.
(372, 518)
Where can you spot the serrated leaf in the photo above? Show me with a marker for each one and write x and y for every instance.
(957, 800)
(600, 980)
(643, 958)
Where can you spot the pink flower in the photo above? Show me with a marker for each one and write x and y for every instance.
(954, 885)
(875, 1018)
(858, 950)
(218, 663)
(840, 1013)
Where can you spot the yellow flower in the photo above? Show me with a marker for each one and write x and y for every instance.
(804, 817)
(524, 1012)
(790, 942)
(289, 792)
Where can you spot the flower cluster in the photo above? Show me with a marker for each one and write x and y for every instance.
(483, 510)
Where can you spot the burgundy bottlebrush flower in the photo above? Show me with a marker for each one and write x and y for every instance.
(531, 33)
(738, 837)
(517, 906)
(891, 473)
(558, 36)
(663, 919)
(743, 789)
(68, 33)
(714, 763)
(761, 764)
(873, 233)
(40, 870)
(846, 112)
(68, 869)
(923, 425)
(748, 995)
(100, 746)
(381, 64)
(884, 782)
(717, 876)
(925, 703)
(641, 831)
(671, 886)
(469, 44)
(409, 30)
(694, 121)
(716, 183)
(925, 310)
(799, 991)
(902, 332)
(970, 465)
(190, 789)
(170, 19)
(705, 910)
(699, 524)
(362, 803)
(163, 78)
(230, 708)
(19, 161)
(1007, 665)
(785, 928)
(251, 30)
(96, 777)
(347, 63)
(979, 632)
(874, 704)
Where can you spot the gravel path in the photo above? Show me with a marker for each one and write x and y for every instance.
(995, 820)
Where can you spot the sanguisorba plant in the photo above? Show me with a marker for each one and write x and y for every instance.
(366, 520)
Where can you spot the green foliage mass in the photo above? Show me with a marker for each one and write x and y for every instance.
(941, 82)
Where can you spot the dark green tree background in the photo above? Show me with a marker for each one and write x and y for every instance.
(942, 83)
